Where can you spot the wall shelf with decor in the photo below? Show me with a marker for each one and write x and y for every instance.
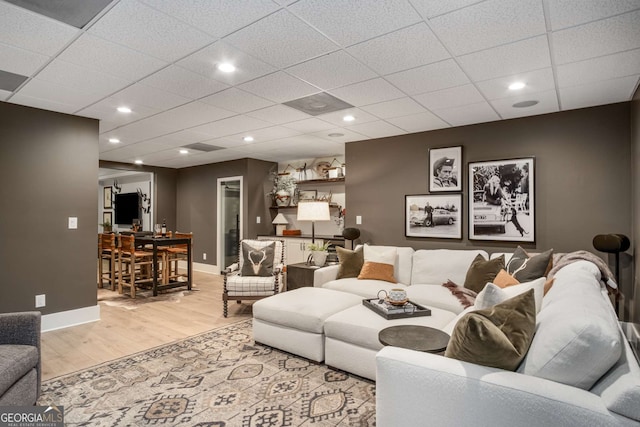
(321, 181)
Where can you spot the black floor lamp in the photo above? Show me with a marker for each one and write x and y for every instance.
(613, 244)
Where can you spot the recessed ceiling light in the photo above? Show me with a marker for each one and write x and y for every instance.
(525, 104)
(516, 86)
(124, 109)
(114, 140)
(248, 139)
(226, 67)
(336, 135)
(184, 151)
(138, 162)
(348, 118)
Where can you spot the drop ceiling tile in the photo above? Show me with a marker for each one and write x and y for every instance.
(480, 112)
(106, 109)
(432, 8)
(101, 55)
(340, 135)
(216, 17)
(335, 117)
(153, 156)
(4, 94)
(401, 50)
(332, 70)
(398, 107)
(611, 35)
(369, 92)
(377, 129)
(192, 114)
(602, 68)
(231, 125)
(489, 24)
(568, 13)
(20, 61)
(281, 40)
(547, 103)
(183, 137)
(309, 125)
(449, 98)
(526, 55)
(418, 122)
(57, 94)
(142, 28)
(205, 62)
(31, 31)
(429, 78)
(278, 114)
(139, 94)
(349, 22)
(279, 87)
(605, 92)
(144, 129)
(183, 82)
(236, 100)
(52, 102)
(266, 134)
(536, 81)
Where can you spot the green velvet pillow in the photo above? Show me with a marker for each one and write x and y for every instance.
(482, 271)
(350, 262)
(498, 336)
(525, 268)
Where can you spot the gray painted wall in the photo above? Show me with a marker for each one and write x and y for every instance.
(48, 170)
(583, 177)
(635, 159)
(197, 202)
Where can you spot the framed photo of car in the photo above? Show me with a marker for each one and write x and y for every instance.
(502, 200)
(435, 216)
(445, 169)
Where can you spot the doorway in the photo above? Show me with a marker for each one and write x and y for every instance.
(229, 220)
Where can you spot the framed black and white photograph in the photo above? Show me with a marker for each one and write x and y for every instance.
(307, 195)
(107, 193)
(107, 218)
(435, 216)
(501, 200)
(445, 169)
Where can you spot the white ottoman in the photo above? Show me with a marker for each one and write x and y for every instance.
(351, 336)
(293, 321)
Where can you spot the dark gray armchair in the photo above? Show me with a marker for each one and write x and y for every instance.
(20, 361)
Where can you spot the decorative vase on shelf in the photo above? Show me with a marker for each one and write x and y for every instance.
(283, 198)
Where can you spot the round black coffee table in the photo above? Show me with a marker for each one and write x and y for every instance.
(413, 337)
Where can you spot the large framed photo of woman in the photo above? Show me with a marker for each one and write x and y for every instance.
(502, 200)
(445, 169)
(436, 216)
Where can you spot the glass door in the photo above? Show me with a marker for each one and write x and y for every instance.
(229, 220)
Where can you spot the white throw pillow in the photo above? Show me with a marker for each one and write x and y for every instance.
(493, 294)
(381, 254)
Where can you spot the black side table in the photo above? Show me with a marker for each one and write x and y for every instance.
(300, 275)
(413, 337)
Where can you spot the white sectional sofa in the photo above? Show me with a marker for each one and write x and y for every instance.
(579, 369)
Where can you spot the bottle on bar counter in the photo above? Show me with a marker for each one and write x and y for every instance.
(164, 228)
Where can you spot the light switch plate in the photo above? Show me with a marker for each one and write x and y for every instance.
(358, 219)
(257, 220)
(73, 222)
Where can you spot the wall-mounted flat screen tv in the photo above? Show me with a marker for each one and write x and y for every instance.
(127, 208)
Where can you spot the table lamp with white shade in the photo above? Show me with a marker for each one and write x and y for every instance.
(313, 211)
(281, 224)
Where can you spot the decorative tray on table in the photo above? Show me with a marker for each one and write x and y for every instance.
(392, 311)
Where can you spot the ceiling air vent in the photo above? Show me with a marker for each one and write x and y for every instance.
(199, 146)
(320, 103)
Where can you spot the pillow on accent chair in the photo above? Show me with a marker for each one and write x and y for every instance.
(377, 271)
(525, 268)
(350, 262)
(482, 271)
(257, 261)
(498, 336)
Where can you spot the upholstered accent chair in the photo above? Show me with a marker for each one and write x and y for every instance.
(257, 274)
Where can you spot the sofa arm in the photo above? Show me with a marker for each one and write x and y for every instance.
(20, 328)
(324, 275)
(427, 389)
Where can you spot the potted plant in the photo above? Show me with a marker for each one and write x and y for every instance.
(319, 253)
(106, 226)
(284, 187)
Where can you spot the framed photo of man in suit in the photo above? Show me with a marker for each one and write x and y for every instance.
(445, 169)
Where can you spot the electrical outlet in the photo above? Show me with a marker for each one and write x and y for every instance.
(358, 219)
(41, 301)
(257, 220)
(204, 256)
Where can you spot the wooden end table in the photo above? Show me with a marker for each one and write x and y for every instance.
(414, 337)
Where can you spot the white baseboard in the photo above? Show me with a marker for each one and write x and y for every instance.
(203, 268)
(64, 319)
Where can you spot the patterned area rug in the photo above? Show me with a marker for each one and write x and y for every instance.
(220, 378)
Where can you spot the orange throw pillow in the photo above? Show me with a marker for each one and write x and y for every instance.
(377, 271)
(504, 279)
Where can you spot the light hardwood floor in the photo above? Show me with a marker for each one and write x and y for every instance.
(123, 330)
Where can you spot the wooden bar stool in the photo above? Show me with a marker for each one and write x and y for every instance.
(132, 264)
(176, 253)
(107, 251)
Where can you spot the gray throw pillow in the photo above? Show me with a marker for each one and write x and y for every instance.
(257, 261)
(482, 271)
(350, 262)
(525, 268)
